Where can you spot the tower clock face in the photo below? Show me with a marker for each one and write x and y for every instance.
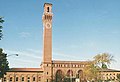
(48, 25)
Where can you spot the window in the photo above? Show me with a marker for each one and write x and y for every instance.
(66, 65)
(16, 78)
(61, 65)
(22, 78)
(47, 80)
(39, 79)
(73, 65)
(114, 78)
(83, 66)
(28, 79)
(47, 73)
(107, 78)
(33, 78)
(110, 78)
(10, 79)
(4, 79)
(48, 9)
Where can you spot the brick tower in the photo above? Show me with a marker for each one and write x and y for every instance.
(47, 42)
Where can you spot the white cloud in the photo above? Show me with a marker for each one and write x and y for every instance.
(26, 58)
(35, 51)
(63, 56)
(24, 34)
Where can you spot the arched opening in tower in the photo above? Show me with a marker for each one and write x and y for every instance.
(48, 9)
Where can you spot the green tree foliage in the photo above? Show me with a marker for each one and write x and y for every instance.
(91, 72)
(1, 21)
(100, 61)
(103, 60)
(118, 77)
(3, 63)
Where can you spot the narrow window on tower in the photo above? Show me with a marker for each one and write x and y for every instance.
(47, 73)
(48, 9)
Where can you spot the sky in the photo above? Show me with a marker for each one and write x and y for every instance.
(81, 29)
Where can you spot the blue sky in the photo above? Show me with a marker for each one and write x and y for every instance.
(81, 29)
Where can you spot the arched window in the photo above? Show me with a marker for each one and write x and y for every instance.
(33, 79)
(48, 9)
(22, 78)
(59, 76)
(39, 79)
(79, 74)
(16, 78)
(69, 73)
(4, 79)
(10, 79)
(28, 78)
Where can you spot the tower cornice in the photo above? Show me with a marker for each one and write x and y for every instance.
(47, 4)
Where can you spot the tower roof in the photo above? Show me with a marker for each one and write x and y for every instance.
(47, 4)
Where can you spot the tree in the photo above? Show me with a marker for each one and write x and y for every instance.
(103, 60)
(3, 63)
(118, 77)
(91, 72)
(100, 61)
(1, 21)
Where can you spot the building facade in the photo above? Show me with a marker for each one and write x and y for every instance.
(49, 69)
(109, 75)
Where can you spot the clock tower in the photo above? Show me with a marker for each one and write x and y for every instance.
(47, 42)
(47, 33)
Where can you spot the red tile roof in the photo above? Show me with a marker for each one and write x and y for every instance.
(109, 70)
(25, 70)
(72, 62)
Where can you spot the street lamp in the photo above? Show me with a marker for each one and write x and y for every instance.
(8, 56)
(12, 55)
(4, 57)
